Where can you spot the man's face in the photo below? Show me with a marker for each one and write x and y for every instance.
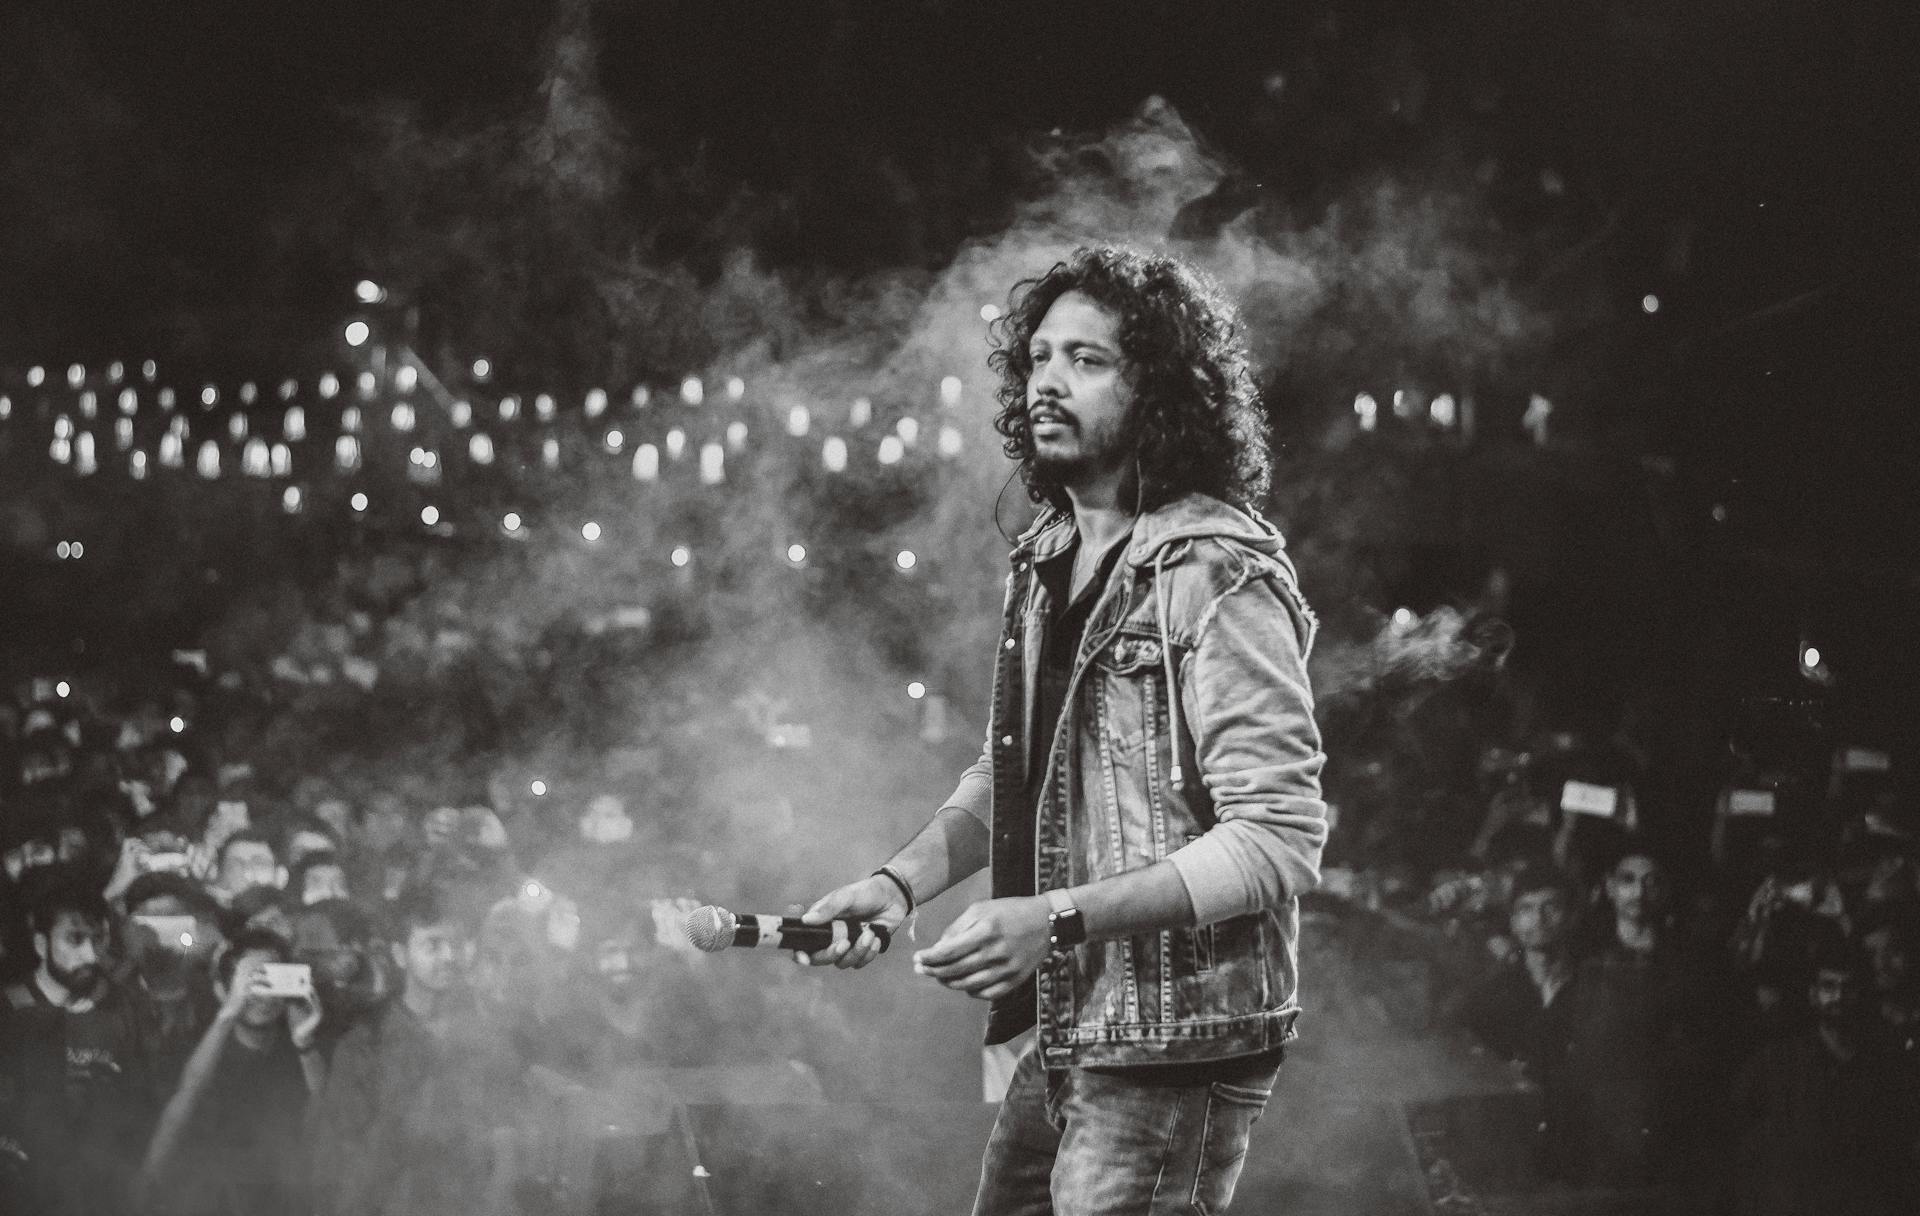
(1892, 961)
(606, 821)
(1077, 392)
(327, 881)
(616, 962)
(1834, 995)
(249, 863)
(1637, 889)
(259, 1011)
(1537, 919)
(75, 952)
(431, 956)
(230, 815)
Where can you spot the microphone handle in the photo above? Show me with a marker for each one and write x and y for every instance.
(789, 933)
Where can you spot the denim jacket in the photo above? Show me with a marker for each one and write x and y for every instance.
(1187, 736)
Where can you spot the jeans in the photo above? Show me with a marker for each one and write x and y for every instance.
(1078, 1143)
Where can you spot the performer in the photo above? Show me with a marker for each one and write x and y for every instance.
(1149, 792)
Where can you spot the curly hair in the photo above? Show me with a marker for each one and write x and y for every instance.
(1196, 420)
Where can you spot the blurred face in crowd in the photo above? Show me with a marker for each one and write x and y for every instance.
(432, 956)
(259, 1012)
(74, 952)
(1637, 889)
(386, 826)
(324, 880)
(1538, 919)
(248, 863)
(336, 814)
(1891, 954)
(1835, 995)
(606, 821)
(616, 961)
(165, 932)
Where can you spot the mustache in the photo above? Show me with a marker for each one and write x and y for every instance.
(1048, 411)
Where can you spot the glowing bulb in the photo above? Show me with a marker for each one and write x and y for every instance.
(36, 376)
(614, 440)
(916, 690)
(692, 391)
(359, 501)
(79, 550)
(989, 313)
(290, 500)
(596, 402)
(329, 385)
(891, 450)
(861, 413)
(905, 559)
(511, 521)
(368, 291)
(950, 388)
(186, 941)
(681, 555)
(209, 395)
(178, 724)
(799, 420)
(429, 515)
(796, 554)
(539, 788)
(908, 429)
(1403, 619)
(1811, 657)
(358, 333)
(76, 376)
(63, 550)
(736, 435)
(1650, 303)
(590, 530)
(62, 689)
(482, 369)
(736, 388)
(407, 378)
(533, 890)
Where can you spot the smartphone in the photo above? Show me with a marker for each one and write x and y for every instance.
(165, 863)
(174, 932)
(286, 979)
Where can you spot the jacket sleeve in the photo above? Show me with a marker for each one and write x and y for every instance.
(1258, 746)
(974, 794)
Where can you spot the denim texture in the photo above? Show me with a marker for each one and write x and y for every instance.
(1071, 1142)
(1188, 737)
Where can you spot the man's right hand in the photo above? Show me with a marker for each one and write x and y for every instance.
(874, 899)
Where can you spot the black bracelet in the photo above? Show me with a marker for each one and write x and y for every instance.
(891, 873)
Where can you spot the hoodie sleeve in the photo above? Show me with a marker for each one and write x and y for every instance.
(1259, 753)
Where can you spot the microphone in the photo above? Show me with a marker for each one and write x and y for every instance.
(714, 929)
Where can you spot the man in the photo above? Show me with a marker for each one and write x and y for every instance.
(1825, 1121)
(172, 930)
(1504, 1009)
(230, 1139)
(404, 1123)
(76, 1093)
(1633, 1047)
(316, 877)
(1149, 792)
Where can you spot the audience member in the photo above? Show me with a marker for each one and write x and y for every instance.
(1505, 1010)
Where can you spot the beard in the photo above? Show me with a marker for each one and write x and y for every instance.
(80, 980)
(1098, 451)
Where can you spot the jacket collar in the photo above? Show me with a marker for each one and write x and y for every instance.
(1184, 519)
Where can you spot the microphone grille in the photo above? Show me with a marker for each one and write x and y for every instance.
(710, 928)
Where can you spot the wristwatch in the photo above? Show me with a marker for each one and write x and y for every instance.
(1066, 927)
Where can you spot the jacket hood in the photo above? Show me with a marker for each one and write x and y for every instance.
(1193, 517)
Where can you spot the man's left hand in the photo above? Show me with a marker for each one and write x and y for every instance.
(303, 1021)
(991, 948)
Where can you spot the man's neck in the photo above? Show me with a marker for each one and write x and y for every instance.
(1839, 1042)
(60, 995)
(1636, 937)
(253, 1038)
(422, 1003)
(1100, 523)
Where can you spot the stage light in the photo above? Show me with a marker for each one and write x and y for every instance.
(916, 690)
(367, 383)
(407, 378)
(1367, 410)
(76, 376)
(461, 414)
(891, 450)
(186, 941)
(713, 464)
(799, 420)
(905, 559)
(329, 385)
(1403, 619)
(79, 550)
(736, 388)
(950, 389)
(692, 391)
(736, 435)
(550, 452)
(1810, 657)
(681, 555)
(149, 369)
(482, 368)
(796, 554)
(368, 291)
(511, 521)
(533, 890)
(989, 313)
(676, 443)
(36, 376)
(290, 500)
(614, 440)
(429, 515)
(209, 395)
(590, 530)
(646, 462)
(358, 333)
(63, 550)
(544, 406)
(1719, 513)
(62, 689)
(359, 501)
(294, 425)
(861, 413)
(596, 402)
(480, 449)
(249, 392)
(178, 724)
(539, 788)
(509, 408)
(908, 429)
(1650, 303)
(833, 454)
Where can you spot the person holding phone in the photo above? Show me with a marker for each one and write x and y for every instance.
(231, 1138)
